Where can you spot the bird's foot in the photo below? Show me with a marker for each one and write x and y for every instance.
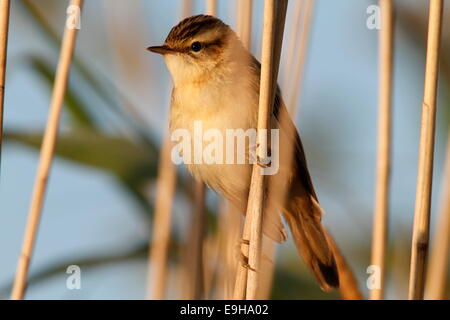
(244, 262)
(263, 163)
(244, 241)
(243, 259)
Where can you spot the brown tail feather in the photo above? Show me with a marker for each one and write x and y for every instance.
(311, 242)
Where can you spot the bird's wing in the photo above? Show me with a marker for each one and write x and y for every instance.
(299, 165)
(284, 120)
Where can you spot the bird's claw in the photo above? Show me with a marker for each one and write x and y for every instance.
(262, 163)
(245, 241)
(243, 259)
(244, 262)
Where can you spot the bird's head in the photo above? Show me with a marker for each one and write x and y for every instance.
(197, 47)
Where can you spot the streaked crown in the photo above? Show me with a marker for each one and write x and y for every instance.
(194, 26)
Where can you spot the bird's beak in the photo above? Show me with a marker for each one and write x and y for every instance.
(162, 50)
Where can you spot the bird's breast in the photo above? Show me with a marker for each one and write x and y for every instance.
(200, 109)
(216, 105)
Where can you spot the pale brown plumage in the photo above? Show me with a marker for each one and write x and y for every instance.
(219, 85)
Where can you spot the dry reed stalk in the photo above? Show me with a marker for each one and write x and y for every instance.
(4, 26)
(227, 239)
(165, 193)
(241, 286)
(380, 222)
(212, 265)
(292, 45)
(281, 8)
(231, 223)
(46, 157)
(349, 287)
(245, 8)
(222, 278)
(244, 30)
(211, 7)
(304, 37)
(438, 263)
(256, 203)
(244, 22)
(186, 8)
(421, 225)
(193, 280)
(269, 68)
(269, 246)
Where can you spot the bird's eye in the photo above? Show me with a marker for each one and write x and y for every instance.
(196, 46)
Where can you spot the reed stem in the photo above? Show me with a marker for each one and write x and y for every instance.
(186, 8)
(158, 254)
(380, 223)
(211, 7)
(292, 45)
(230, 221)
(438, 263)
(244, 22)
(194, 284)
(4, 26)
(421, 225)
(240, 286)
(269, 68)
(244, 28)
(299, 67)
(46, 157)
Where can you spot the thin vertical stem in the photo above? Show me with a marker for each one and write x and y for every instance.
(244, 22)
(240, 286)
(426, 155)
(162, 223)
(4, 26)
(292, 45)
(194, 252)
(244, 28)
(380, 224)
(211, 7)
(304, 38)
(230, 221)
(438, 263)
(257, 187)
(46, 157)
(186, 8)
(272, 38)
(267, 266)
